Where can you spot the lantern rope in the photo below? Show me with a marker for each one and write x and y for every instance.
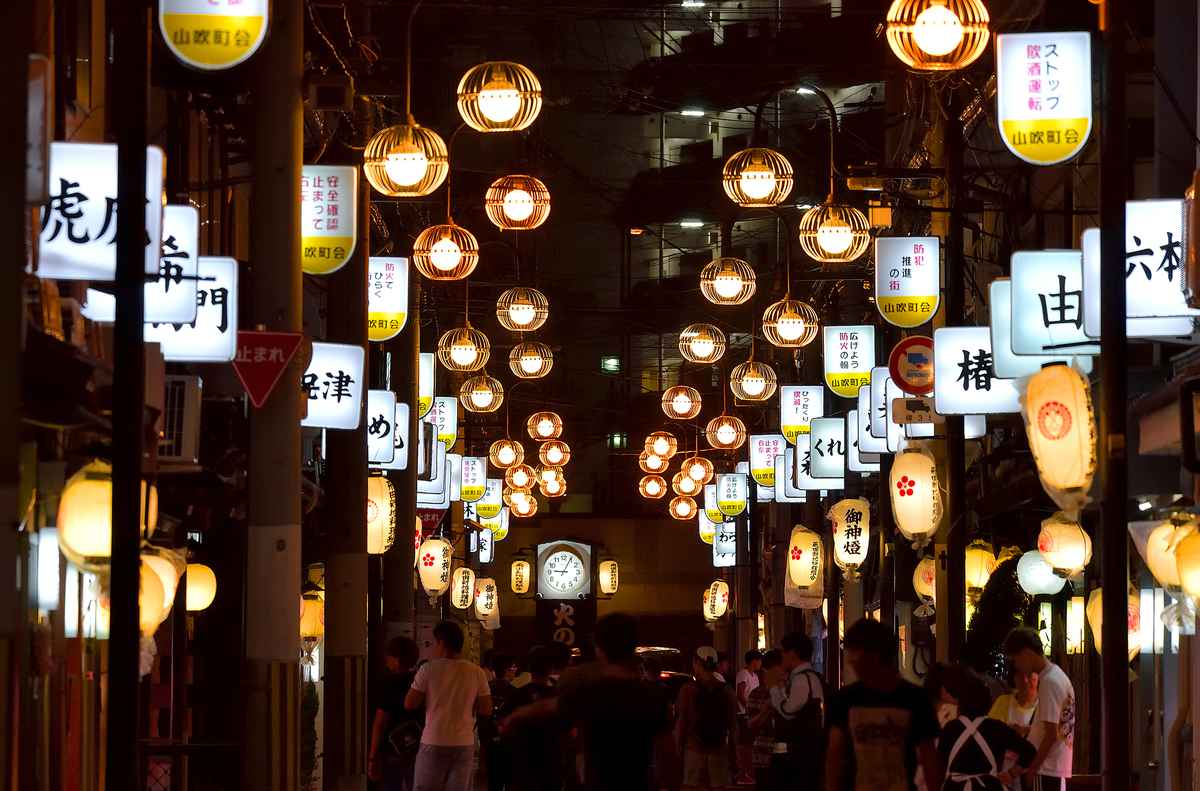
(408, 62)
(833, 131)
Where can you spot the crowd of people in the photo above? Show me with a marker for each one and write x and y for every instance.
(609, 725)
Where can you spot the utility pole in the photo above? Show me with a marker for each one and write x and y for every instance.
(271, 673)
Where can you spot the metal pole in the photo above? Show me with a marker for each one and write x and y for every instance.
(271, 673)
(1114, 191)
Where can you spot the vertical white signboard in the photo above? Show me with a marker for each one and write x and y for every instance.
(907, 279)
(212, 337)
(387, 297)
(328, 217)
(849, 357)
(333, 385)
(381, 426)
(798, 405)
(1044, 94)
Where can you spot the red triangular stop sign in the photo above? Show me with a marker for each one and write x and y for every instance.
(261, 358)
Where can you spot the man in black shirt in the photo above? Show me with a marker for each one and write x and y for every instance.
(396, 732)
(537, 747)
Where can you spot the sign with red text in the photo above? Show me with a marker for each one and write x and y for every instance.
(798, 405)
(328, 217)
(849, 357)
(907, 279)
(261, 359)
(1044, 94)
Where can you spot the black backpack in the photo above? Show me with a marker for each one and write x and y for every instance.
(405, 735)
(805, 731)
(712, 714)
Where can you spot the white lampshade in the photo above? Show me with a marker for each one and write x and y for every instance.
(1061, 429)
(806, 557)
(851, 534)
(462, 588)
(607, 575)
(486, 597)
(1095, 619)
(717, 603)
(980, 562)
(381, 514)
(924, 579)
(85, 516)
(916, 496)
(1160, 549)
(433, 565)
(1036, 577)
(1064, 545)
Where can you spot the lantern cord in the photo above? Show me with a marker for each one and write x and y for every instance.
(467, 301)
(833, 130)
(408, 62)
(449, 151)
(787, 253)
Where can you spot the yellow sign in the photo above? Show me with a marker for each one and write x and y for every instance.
(731, 493)
(387, 297)
(488, 506)
(328, 217)
(1044, 94)
(907, 279)
(213, 34)
(849, 357)
(426, 373)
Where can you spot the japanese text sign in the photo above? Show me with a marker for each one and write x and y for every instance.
(261, 359)
(381, 424)
(724, 545)
(212, 337)
(444, 415)
(1005, 362)
(1047, 303)
(868, 442)
(827, 443)
(387, 297)
(964, 382)
(798, 405)
(399, 440)
(426, 376)
(333, 385)
(493, 499)
(474, 478)
(907, 279)
(1168, 301)
(732, 489)
(213, 34)
(849, 357)
(856, 460)
(1044, 94)
(802, 470)
(711, 509)
(785, 484)
(328, 217)
(763, 450)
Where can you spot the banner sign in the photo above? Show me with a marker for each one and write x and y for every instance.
(798, 405)
(1044, 94)
(328, 217)
(907, 279)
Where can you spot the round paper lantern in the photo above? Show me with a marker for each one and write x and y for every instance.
(662, 443)
(519, 476)
(699, 469)
(834, 234)
(463, 349)
(517, 203)
(1064, 545)
(530, 360)
(1187, 562)
(937, 35)
(556, 487)
(704, 607)
(1062, 434)
(381, 514)
(607, 577)
(757, 177)
(445, 252)
(916, 496)
(725, 432)
(684, 485)
(522, 309)
(924, 579)
(806, 558)
(752, 381)
(201, 587)
(681, 402)
(462, 588)
(1160, 549)
(790, 323)
(406, 161)
(652, 487)
(548, 472)
(167, 566)
(150, 600)
(718, 600)
(486, 597)
(504, 453)
(554, 453)
(727, 281)
(652, 463)
(980, 563)
(312, 618)
(702, 343)
(85, 516)
(481, 394)
(851, 534)
(520, 577)
(499, 96)
(1036, 577)
(682, 508)
(433, 565)
(544, 426)
(1095, 619)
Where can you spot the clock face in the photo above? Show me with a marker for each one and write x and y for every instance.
(563, 571)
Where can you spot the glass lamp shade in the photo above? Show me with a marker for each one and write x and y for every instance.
(790, 323)
(434, 557)
(85, 516)
(530, 360)
(727, 281)
(834, 234)
(499, 96)
(544, 426)
(725, 432)
(937, 35)
(201, 587)
(662, 443)
(684, 485)
(652, 462)
(381, 514)
(1036, 577)
(682, 508)
(522, 309)
(752, 381)
(504, 453)
(406, 161)
(608, 576)
(517, 203)
(757, 177)
(924, 579)
(980, 563)
(462, 588)
(519, 476)
(519, 577)
(481, 394)
(554, 453)
(1064, 545)
(699, 469)
(445, 252)
(681, 402)
(702, 343)
(652, 487)
(463, 349)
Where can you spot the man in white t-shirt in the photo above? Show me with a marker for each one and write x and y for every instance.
(453, 692)
(1052, 731)
(745, 683)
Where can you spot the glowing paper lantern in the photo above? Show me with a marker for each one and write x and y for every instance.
(520, 577)
(1187, 560)
(1095, 619)
(544, 426)
(806, 557)
(151, 597)
(486, 597)
(1064, 545)
(718, 600)
(312, 618)
(980, 563)
(924, 583)
(683, 508)
(381, 514)
(462, 588)
(85, 516)
(433, 564)
(851, 534)
(167, 565)
(1036, 577)
(607, 576)
(1062, 434)
(652, 487)
(504, 453)
(699, 469)
(201, 587)
(916, 496)
(1161, 546)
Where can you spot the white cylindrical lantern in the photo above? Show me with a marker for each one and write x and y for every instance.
(851, 534)
(1036, 577)
(1064, 545)
(201, 587)
(381, 514)
(806, 558)
(1062, 434)
(485, 597)
(607, 574)
(462, 588)
(980, 562)
(433, 564)
(717, 603)
(520, 577)
(1095, 619)
(924, 580)
(1160, 549)
(916, 496)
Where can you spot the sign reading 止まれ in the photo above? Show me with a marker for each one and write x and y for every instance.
(213, 34)
(907, 279)
(1044, 94)
(849, 357)
(798, 405)
(328, 217)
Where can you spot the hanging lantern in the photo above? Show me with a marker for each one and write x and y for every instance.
(704, 607)
(682, 508)
(512, 496)
(1062, 434)
(530, 360)
(481, 394)
(554, 453)
(150, 600)
(519, 476)
(699, 469)
(662, 443)
(607, 576)
(834, 234)
(381, 514)
(757, 177)
(1007, 553)
(851, 534)
(517, 203)
(652, 463)
(499, 96)
(702, 343)
(312, 618)
(1187, 561)
(1095, 619)
(752, 381)
(725, 432)
(1036, 577)
(520, 577)
(790, 323)
(544, 426)
(463, 349)
(504, 453)
(167, 565)
(727, 281)
(717, 603)
(406, 161)
(806, 558)
(684, 485)
(681, 402)
(652, 487)
(548, 472)
(1161, 546)
(462, 588)
(522, 309)
(916, 496)
(980, 563)
(85, 516)
(486, 597)
(201, 587)
(556, 487)
(1064, 545)
(445, 252)
(433, 564)
(924, 583)
(937, 35)
(525, 507)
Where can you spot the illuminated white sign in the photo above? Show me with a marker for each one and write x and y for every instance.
(964, 382)
(895, 431)
(1044, 94)
(1006, 363)
(486, 544)
(907, 279)
(328, 217)
(474, 478)
(493, 499)
(436, 480)
(444, 415)
(439, 498)
(212, 337)
(798, 405)
(868, 442)
(732, 489)
(710, 507)
(1047, 303)
(724, 545)
(387, 297)
(426, 377)
(786, 490)
(878, 424)
(456, 462)
(381, 426)
(763, 450)
(849, 357)
(802, 470)
(827, 443)
(399, 440)
(333, 384)
(856, 460)
(213, 34)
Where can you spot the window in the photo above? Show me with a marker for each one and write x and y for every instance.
(618, 441)
(610, 364)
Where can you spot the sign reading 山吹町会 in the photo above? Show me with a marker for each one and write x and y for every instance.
(1044, 94)
(213, 34)
(849, 353)
(907, 279)
(328, 217)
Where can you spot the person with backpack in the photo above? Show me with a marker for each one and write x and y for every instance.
(800, 705)
(396, 732)
(975, 747)
(706, 724)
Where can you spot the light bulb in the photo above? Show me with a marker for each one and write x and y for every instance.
(464, 354)
(790, 326)
(520, 479)
(726, 434)
(937, 30)
(681, 404)
(545, 427)
(482, 397)
(702, 347)
(531, 362)
(507, 455)
(757, 181)
(445, 254)
(652, 488)
(697, 472)
(661, 446)
(518, 499)
(754, 385)
(655, 462)
(554, 455)
(729, 284)
(406, 167)
(499, 101)
(522, 314)
(687, 485)
(518, 205)
(552, 487)
(834, 236)
(549, 474)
